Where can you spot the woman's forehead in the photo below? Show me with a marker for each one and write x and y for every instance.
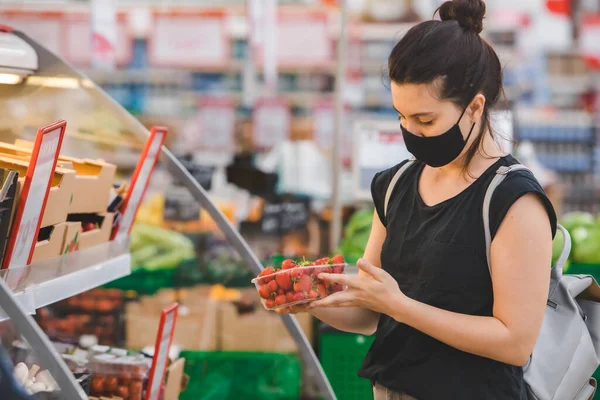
(411, 98)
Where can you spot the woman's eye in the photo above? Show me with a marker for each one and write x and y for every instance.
(426, 122)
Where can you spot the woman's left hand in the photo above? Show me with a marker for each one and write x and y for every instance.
(375, 290)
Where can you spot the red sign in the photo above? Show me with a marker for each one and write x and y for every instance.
(271, 121)
(161, 352)
(190, 40)
(34, 194)
(139, 182)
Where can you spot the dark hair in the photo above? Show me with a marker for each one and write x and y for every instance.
(451, 49)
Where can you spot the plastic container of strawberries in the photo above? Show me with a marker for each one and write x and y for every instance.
(297, 285)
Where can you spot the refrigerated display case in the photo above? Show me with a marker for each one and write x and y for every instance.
(42, 88)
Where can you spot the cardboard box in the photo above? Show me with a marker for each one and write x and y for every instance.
(196, 328)
(71, 241)
(261, 331)
(56, 240)
(174, 380)
(60, 193)
(93, 179)
(51, 244)
(97, 236)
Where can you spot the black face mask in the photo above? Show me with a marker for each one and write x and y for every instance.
(437, 151)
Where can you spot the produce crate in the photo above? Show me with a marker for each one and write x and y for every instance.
(241, 375)
(594, 270)
(342, 355)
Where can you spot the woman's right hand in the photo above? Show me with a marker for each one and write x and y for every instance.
(300, 308)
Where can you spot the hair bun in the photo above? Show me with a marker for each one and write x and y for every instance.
(468, 13)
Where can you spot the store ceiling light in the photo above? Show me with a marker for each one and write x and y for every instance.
(53, 82)
(10, 79)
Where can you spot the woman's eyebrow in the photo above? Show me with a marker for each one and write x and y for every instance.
(416, 115)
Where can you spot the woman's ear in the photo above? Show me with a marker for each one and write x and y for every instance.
(476, 107)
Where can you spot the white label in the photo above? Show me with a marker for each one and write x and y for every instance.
(83, 45)
(140, 186)
(217, 125)
(189, 41)
(33, 209)
(160, 357)
(324, 125)
(303, 40)
(378, 145)
(271, 123)
(588, 38)
(104, 34)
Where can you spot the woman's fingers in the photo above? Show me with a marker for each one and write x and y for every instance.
(375, 272)
(334, 300)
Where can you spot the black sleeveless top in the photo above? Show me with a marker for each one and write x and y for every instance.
(437, 254)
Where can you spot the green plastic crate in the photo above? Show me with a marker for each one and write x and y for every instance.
(342, 354)
(241, 376)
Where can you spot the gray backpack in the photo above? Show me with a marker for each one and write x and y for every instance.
(567, 351)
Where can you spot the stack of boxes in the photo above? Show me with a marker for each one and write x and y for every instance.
(75, 216)
(208, 324)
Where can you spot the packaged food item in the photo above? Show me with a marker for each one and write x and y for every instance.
(298, 283)
(122, 376)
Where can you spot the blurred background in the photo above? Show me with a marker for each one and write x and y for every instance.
(284, 130)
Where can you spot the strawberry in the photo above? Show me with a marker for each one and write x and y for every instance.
(280, 300)
(338, 269)
(284, 280)
(281, 292)
(312, 294)
(265, 272)
(321, 261)
(299, 296)
(337, 287)
(321, 290)
(296, 273)
(264, 292)
(339, 259)
(270, 303)
(273, 287)
(288, 264)
(289, 296)
(303, 284)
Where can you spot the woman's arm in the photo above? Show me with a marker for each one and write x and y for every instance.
(353, 319)
(520, 257)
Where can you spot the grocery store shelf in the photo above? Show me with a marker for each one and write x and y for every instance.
(50, 281)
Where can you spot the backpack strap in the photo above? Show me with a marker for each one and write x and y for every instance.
(393, 183)
(501, 174)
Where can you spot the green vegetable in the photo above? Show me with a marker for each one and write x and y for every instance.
(576, 219)
(586, 245)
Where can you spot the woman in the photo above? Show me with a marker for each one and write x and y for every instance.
(445, 327)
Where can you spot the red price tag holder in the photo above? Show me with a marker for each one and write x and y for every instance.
(164, 339)
(34, 195)
(271, 121)
(217, 124)
(139, 182)
(190, 39)
(78, 39)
